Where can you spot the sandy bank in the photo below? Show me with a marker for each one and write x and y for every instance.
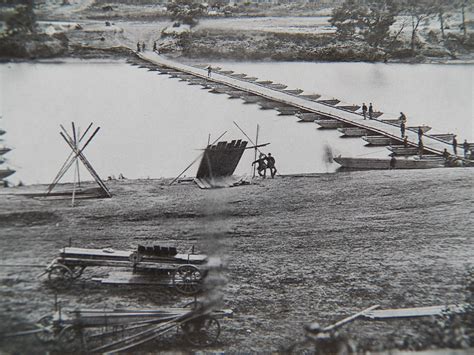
(298, 249)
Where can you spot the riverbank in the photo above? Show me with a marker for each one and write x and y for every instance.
(298, 250)
(238, 39)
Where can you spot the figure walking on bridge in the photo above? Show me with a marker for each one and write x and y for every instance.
(371, 111)
(455, 145)
(138, 46)
(209, 71)
(271, 165)
(364, 111)
(143, 47)
(420, 147)
(402, 129)
(261, 166)
(154, 46)
(420, 133)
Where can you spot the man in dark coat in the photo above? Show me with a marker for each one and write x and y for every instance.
(271, 164)
(364, 110)
(455, 145)
(261, 166)
(371, 111)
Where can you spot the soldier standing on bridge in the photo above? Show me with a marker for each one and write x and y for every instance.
(455, 145)
(402, 128)
(402, 117)
(465, 146)
(143, 47)
(371, 111)
(138, 46)
(364, 110)
(154, 46)
(209, 71)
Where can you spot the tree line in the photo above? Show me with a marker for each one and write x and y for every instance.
(371, 20)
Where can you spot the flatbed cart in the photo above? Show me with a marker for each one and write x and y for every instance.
(113, 331)
(144, 266)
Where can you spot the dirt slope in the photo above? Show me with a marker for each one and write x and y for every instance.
(298, 249)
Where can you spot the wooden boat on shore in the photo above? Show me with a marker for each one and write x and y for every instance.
(264, 82)
(225, 72)
(353, 131)
(331, 102)
(380, 140)
(307, 116)
(250, 78)
(424, 128)
(384, 164)
(329, 124)
(287, 110)
(4, 173)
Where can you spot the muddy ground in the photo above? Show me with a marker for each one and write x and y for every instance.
(298, 249)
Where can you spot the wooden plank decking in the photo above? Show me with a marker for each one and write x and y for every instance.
(431, 145)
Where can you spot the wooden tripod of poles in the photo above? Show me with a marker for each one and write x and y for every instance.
(75, 156)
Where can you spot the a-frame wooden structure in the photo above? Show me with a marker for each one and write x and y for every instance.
(76, 155)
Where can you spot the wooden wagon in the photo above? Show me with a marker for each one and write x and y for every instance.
(112, 331)
(145, 266)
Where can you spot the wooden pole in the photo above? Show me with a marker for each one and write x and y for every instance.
(77, 164)
(255, 152)
(349, 319)
(195, 160)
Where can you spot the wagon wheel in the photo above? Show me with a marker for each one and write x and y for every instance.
(49, 330)
(69, 338)
(77, 271)
(187, 279)
(60, 276)
(202, 331)
(135, 258)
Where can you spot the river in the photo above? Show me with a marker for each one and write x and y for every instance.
(153, 126)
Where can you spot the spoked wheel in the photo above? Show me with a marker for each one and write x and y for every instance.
(187, 279)
(60, 276)
(77, 271)
(202, 331)
(49, 332)
(69, 339)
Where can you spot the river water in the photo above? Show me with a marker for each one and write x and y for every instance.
(154, 126)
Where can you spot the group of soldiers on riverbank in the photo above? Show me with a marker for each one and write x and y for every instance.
(265, 162)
